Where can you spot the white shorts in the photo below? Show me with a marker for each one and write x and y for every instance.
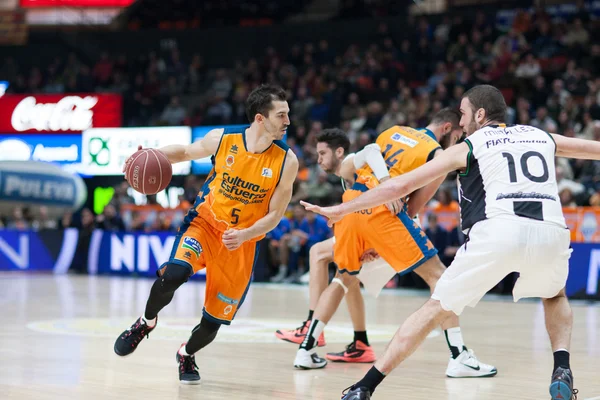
(538, 250)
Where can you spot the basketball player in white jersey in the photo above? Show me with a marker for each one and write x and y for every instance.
(511, 213)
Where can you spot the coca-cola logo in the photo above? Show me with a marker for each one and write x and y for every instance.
(71, 113)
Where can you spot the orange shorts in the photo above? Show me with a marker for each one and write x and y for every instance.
(228, 273)
(396, 238)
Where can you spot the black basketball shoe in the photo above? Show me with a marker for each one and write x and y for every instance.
(188, 370)
(356, 393)
(561, 387)
(129, 340)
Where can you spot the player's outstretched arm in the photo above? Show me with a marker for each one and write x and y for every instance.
(280, 200)
(576, 148)
(202, 148)
(452, 159)
(419, 198)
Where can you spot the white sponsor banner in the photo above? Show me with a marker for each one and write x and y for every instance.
(104, 150)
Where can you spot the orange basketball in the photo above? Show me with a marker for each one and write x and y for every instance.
(149, 171)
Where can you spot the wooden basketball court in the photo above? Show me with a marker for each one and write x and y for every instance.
(58, 332)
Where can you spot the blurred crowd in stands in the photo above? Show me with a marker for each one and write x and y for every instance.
(548, 70)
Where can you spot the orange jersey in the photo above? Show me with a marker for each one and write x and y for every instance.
(238, 190)
(403, 149)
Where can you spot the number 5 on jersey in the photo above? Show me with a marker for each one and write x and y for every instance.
(235, 216)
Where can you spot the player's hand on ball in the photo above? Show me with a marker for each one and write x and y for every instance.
(334, 214)
(369, 255)
(128, 162)
(233, 238)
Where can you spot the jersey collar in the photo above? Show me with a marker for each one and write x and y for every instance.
(428, 133)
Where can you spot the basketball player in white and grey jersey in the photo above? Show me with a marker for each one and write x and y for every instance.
(512, 215)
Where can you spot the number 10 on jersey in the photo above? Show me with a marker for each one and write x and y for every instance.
(512, 169)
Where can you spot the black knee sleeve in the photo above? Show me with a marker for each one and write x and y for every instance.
(169, 279)
(174, 276)
(202, 335)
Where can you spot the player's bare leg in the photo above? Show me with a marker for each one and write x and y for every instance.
(406, 340)
(462, 363)
(356, 308)
(359, 350)
(329, 302)
(559, 323)
(320, 255)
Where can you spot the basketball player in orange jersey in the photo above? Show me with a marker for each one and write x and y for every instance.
(394, 236)
(244, 197)
(320, 255)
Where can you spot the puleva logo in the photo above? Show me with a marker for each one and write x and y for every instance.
(193, 245)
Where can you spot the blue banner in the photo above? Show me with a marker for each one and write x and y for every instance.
(57, 149)
(584, 269)
(141, 254)
(115, 253)
(119, 253)
(50, 250)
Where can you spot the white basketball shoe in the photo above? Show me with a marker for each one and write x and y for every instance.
(308, 359)
(466, 365)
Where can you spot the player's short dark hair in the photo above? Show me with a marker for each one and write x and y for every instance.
(259, 101)
(334, 138)
(490, 99)
(447, 114)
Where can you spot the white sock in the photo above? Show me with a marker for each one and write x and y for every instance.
(182, 351)
(312, 336)
(455, 339)
(150, 322)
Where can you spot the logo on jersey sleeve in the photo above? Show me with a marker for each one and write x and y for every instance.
(192, 245)
(267, 173)
(405, 140)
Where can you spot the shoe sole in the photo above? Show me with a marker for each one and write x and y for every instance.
(560, 391)
(302, 367)
(190, 382)
(491, 374)
(351, 360)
